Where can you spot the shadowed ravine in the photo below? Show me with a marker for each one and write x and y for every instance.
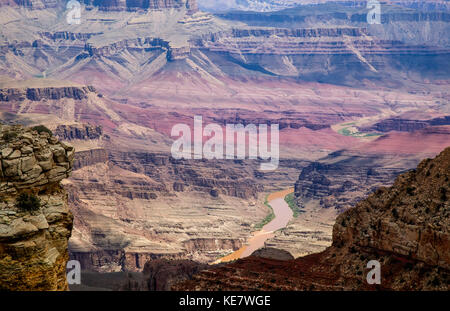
(283, 214)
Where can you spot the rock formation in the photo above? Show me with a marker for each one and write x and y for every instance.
(189, 174)
(279, 5)
(405, 125)
(89, 157)
(33, 239)
(110, 5)
(32, 4)
(404, 227)
(71, 132)
(343, 178)
(272, 253)
(135, 5)
(162, 274)
(37, 94)
(118, 199)
(158, 275)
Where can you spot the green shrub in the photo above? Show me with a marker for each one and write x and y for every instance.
(395, 213)
(290, 200)
(42, 128)
(28, 202)
(269, 217)
(410, 190)
(443, 194)
(9, 136)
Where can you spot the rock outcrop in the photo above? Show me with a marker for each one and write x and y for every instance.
(71, 132)
(51, 93)
(273, 253)
(32, 4)
(405, 228)
(158, 275)
(33, 239)
(89, 157)
(109, 5)
(135, 5)
(162, 274)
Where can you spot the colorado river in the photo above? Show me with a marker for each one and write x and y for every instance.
(283, 214)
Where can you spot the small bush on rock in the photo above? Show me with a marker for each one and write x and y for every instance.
(9, 136)
(41, 128)
(28, 202)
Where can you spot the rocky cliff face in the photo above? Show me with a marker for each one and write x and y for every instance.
(343, 178)
(406, 125)
(410, 219)
(305, 41)
(162, 274)
(184, 175)
(37, 94)
(277, 5)
(134, 5)
(32, 4)
(404, 227)
(119, 198)
(33, 242)
(89, 157)
(293, 46)
(71, 132)
(110, 5)
(356, 11)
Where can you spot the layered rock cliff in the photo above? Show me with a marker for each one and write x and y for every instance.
(162, 274)
(406, 125)
(135, 5)
(134, 207)
(185, 174)
(109, 5)
(305, 41)
(405, 228)
(295, 43)
(278, 5)
(34, 234)
(343, 178)
(37, 94)
(31, 4)
(71, 132)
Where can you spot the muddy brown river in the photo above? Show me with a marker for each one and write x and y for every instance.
(283, 214)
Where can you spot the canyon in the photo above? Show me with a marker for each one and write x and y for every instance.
(404, 227)
(356, 105)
